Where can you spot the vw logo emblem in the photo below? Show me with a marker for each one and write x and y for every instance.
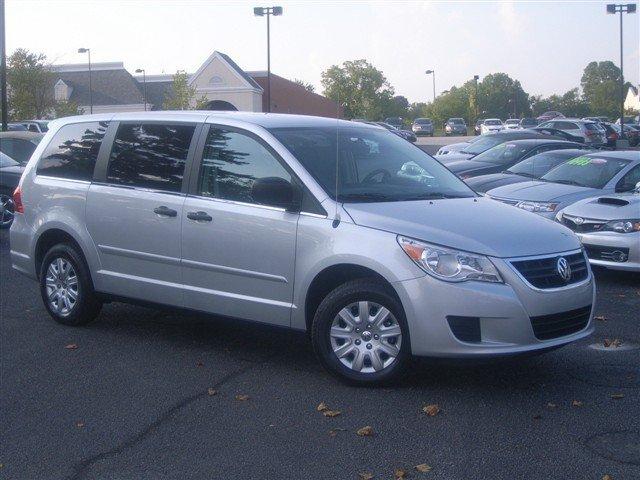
(578, 220)
(564, 269)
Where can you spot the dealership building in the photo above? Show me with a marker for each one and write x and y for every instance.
(219, 81)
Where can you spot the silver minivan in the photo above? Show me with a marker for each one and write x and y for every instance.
(340, 229)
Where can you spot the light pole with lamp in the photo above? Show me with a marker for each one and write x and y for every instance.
(88, 52)
(144, 85)
(614, 8)
(261, 12)
(433, 72)
(475, 80)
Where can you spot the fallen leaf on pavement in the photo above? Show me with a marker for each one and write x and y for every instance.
(211, 392)
(199, 363)
(617, 396)
(423, 468)
(71, 346)
(600, 318)
(399, 474)
(322, 407)
(79, 424)
(576, 403)
(242, 398)
(331, 413)
(431, 410)
(615, 343)
(365, 431)
(537, 416)
(607, 477)
(334, 431)
(365, 476)
(551, 405)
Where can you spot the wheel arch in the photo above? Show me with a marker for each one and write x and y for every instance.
(54, 236)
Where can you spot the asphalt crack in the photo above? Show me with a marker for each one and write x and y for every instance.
(81, 468)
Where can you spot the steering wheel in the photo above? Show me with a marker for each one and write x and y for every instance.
(379, 171)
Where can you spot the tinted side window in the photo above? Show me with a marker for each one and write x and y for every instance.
(232, 162)
(18, 149)
(629, 181)
(150, 155)
(73, 151)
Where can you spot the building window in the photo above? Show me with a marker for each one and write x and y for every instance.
(216, 80)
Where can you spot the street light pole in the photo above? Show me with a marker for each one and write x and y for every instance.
(433, 72)
(3, 70)
(261, 12)
(475, 79)
(144, 85)
(88, 52)
(614, 8)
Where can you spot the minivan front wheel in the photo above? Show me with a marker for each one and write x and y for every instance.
(360, 334)
(66, 287)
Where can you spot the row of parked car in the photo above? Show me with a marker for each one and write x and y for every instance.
(594, 192)
(36, 126)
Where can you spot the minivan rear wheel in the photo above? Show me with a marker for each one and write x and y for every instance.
(360, 334)
(65, 286)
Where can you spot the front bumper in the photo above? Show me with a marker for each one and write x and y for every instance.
(503, 311)
(606, 243)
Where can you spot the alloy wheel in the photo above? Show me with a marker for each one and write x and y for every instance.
(61, 284)
(7, 210)
(366, 337)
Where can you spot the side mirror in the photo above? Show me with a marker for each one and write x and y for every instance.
(276, 192)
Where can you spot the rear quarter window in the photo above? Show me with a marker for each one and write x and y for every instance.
(73, 151)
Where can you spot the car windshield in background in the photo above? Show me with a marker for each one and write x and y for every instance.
(529, 121)
(423, 121)
(483, 143)
(456, 121)
(374, 166)
(593, 172)
(540, 164)
(492, 122)
(513, 122)
(502, 154)
(7, 161)
(594, 127)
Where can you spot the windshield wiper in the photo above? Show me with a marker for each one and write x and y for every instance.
(522, 174)
(370, 196)
(433, 196)
(568, 182)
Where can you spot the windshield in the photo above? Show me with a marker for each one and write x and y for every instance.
(593, 172)
(7, 161)
(374, 165)
(456, 121)
(493, 122)
(423, 121)
(528, 121)
(503, 154)
(483, 143)
(513, 122)
(538, 165)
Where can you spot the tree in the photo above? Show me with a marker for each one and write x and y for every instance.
(359, 87)
(501, 96)
(66, 109)
(306, 85)
(182, 96)
(601, 88)
(30, 81)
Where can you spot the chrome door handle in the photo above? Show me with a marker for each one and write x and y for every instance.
(165, 211)
(199, 216)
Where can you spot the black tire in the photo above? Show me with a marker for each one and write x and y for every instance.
(87, 304)
(356, 290)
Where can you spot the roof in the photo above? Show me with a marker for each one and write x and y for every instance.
(618, 154)
(241, 72)
(22, 134)
(158, 91)
(109, 86)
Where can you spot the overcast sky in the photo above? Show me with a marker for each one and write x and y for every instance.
(545, 45)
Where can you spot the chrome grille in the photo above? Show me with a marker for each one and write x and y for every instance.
(544, 272)
(582, 225)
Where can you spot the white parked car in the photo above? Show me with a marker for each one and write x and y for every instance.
(491, 125)
(512, 124)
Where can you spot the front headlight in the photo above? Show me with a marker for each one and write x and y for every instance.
(448, 264)
(623, 226)
(537, 207)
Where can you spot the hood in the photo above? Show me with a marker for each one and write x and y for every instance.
(13, 170)
(609, 207)
(477, 225)
(540, 191)
(453, 157)
(484, 183)
(465, 166)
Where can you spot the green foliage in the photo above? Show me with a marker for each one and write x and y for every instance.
(360, 88)
(182, 95)
(571, 104)
(306, 85)
(30, 81)
(601, 88)
(66, 109)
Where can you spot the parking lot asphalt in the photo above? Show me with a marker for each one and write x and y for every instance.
(147, 394)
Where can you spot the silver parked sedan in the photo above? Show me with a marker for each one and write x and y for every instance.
(583, 177)
(609, 228)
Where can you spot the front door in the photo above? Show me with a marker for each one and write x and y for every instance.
(237, 255)
(134, 214)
